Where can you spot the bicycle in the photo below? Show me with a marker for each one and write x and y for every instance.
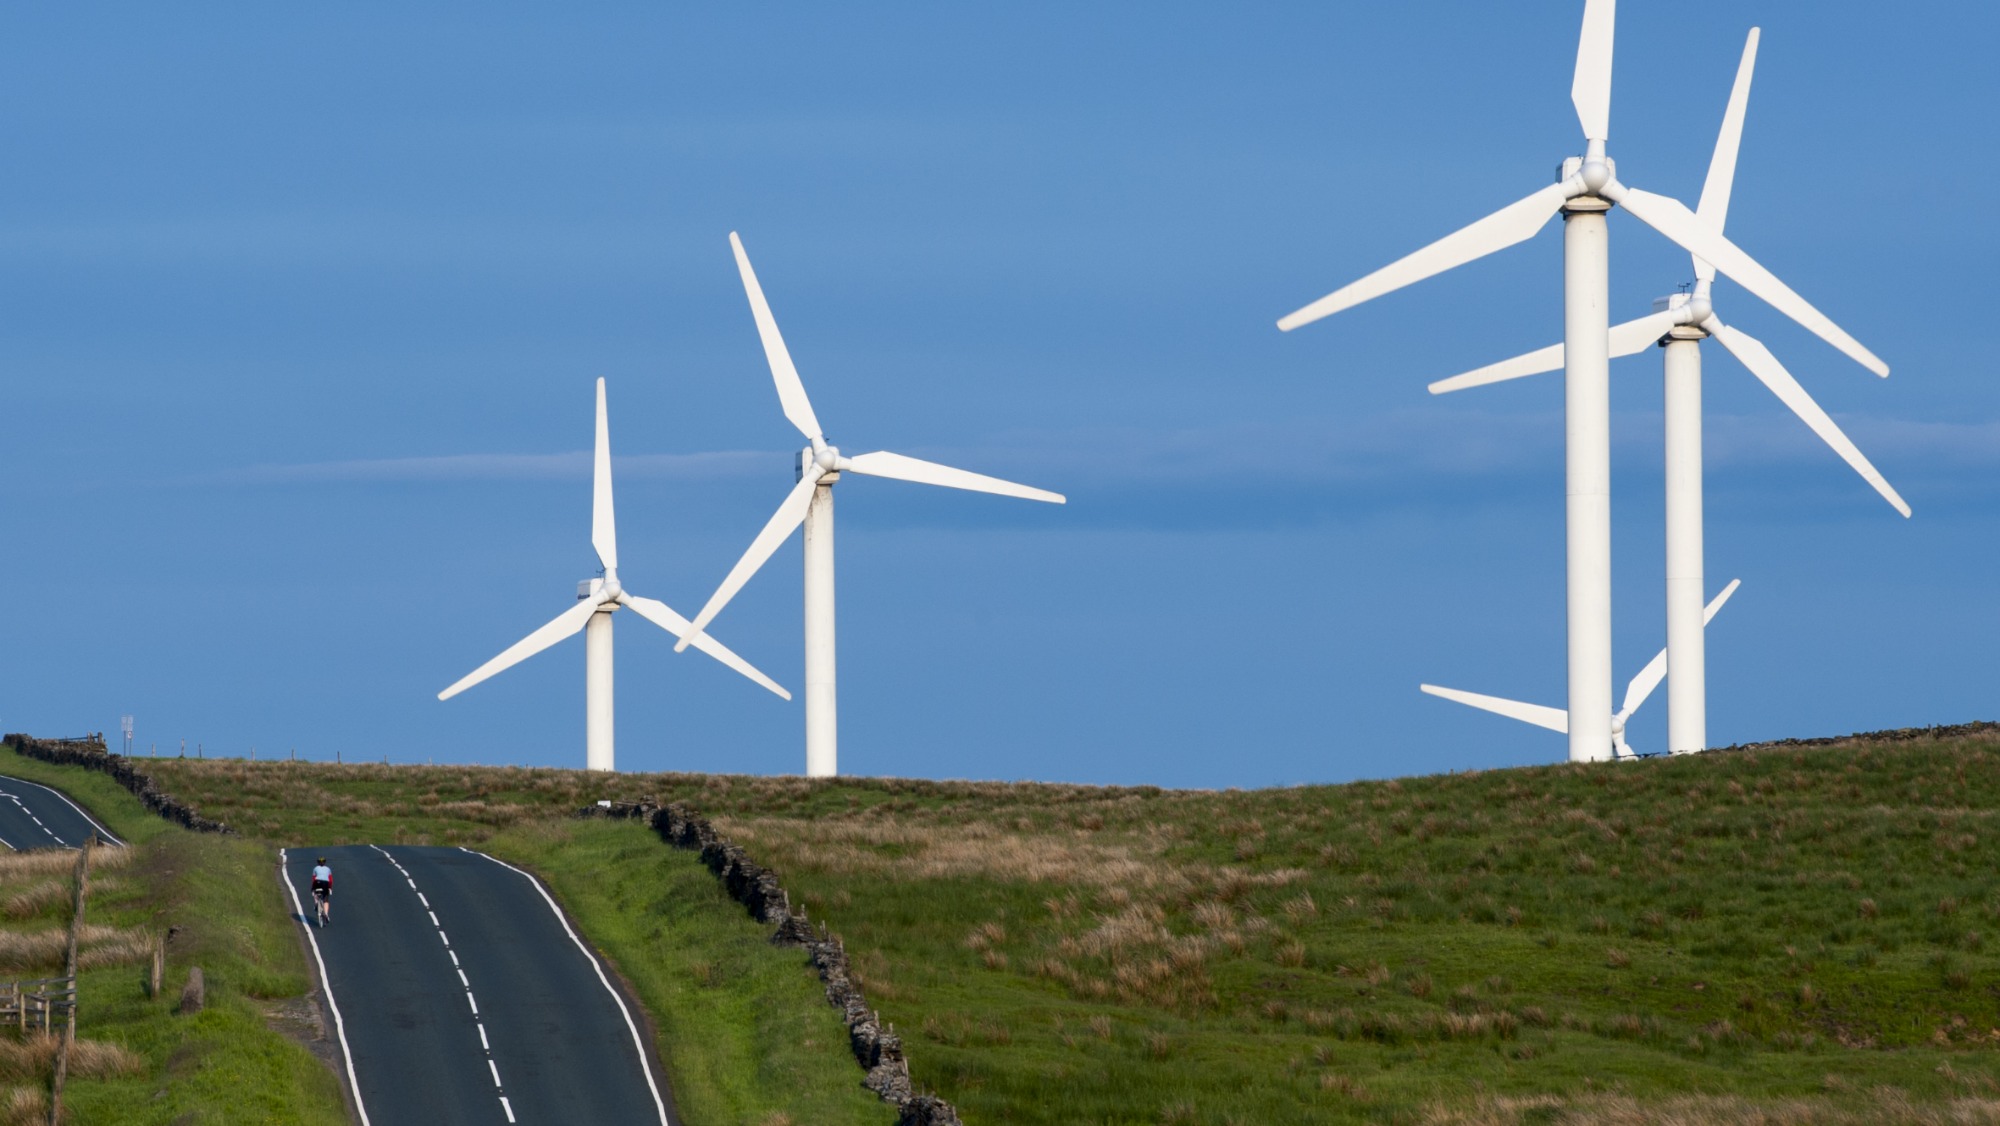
(322, 902)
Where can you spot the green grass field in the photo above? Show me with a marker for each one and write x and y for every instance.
(1793, 935)
(223, 1065)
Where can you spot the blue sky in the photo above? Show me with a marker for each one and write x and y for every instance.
(305, 306)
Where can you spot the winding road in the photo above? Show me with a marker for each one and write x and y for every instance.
(461, 993)
(35, 816)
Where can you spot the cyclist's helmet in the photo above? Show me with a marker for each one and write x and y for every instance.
(321, 860)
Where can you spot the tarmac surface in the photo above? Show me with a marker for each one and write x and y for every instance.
(461, 994)
(35, 816)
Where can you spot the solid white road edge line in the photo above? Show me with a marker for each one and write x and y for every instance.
(638, 1043)
(94, 823)
(339, 1027)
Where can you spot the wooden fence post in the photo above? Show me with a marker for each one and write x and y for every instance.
(79, 891)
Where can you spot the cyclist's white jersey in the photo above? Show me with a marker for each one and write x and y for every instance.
(322, 872)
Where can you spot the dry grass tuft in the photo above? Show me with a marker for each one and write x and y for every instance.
(41, 863)
(32, 1059)
(96, 946)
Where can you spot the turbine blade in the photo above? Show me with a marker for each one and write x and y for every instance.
(791, 513)
(1714, 206)
(1555, 719)
(1626, 339)
(561, 626)
(663, 615)
(1672, 218)
(791, 392)
(882, 463)
(603, 523)
(1716, 603)
(1531, 363)
(1773, 375)
(1516, 222)
(1590, 90)
(1655, 671)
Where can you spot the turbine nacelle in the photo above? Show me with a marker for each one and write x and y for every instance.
(823, 461)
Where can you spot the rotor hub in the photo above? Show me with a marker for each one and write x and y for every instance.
(827, 458)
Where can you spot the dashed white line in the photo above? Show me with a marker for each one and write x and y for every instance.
(102, 832)
(477, 1022)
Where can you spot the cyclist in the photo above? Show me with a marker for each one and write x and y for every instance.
(322, 890)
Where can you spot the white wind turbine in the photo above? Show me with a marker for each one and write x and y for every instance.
(811, 503)
(1587, 187)
(1557, 720)
(596, 600)
(1679, 323)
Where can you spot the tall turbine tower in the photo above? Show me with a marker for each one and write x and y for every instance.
(810, 503)
(1679, 324)
(1586, 188)
(596, 600)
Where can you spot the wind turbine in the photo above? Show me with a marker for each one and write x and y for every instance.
(1679, 324)
(1586, 187)
(596, 600)
(810, 503)
(1556, 719)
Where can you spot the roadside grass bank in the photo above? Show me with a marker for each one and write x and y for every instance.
(149, 1064)
(744, 1031)
(1798, 934)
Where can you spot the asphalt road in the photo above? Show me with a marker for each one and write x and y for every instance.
(461, 994)
(34, 816)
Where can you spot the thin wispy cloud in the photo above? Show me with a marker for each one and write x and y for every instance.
(1400, 446)
(571, 466)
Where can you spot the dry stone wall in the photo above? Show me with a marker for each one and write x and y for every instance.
(1895, 735)
(877, 1048)
(91, 753)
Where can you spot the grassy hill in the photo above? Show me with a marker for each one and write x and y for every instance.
(1795, 934)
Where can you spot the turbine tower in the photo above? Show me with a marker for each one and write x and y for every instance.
(596, 600)
(1557, 720)
(1586, 188)
(1679, 324)
(810, 503)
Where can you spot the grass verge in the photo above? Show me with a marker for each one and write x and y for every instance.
(744, 1030)
(224, 1064)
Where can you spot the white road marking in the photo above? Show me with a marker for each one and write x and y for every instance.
(339, 1027)
(478, 1022)
(64, 798)
(638, 1044)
